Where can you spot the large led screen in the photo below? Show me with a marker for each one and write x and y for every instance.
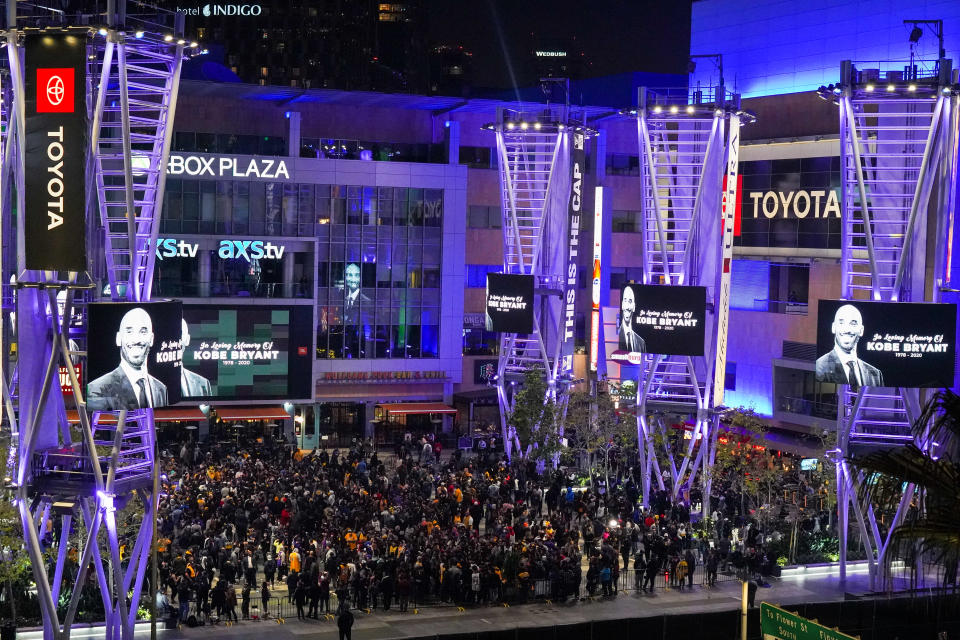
(660, 319)
(246, 352)
(134, 355)
(509, 303)
(886, 344)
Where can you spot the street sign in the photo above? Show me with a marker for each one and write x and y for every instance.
(779, 624)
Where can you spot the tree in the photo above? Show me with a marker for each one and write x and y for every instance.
(594, 427)
(14, 562)
(932, 529)
(535, 417)
(744, 468)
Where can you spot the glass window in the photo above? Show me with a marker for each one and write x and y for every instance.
(224, 206)
(241, 207)
(257, 208)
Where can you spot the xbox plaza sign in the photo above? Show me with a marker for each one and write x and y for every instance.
(209, 10)
(227, 167)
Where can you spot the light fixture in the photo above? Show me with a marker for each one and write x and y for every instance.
(102, 31)
(138, 34)
(946, 91)
(915, 34)
(674, 109)
(510, 126)
(690, 108)
(891, 87)
(168, 38)
(181, 42)
(536, 125)
(193, 45)
(524, 125)
(911, 87)
(869, 87)
(561, 127)
(657, 109)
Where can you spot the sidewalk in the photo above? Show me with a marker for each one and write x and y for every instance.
(449, 620)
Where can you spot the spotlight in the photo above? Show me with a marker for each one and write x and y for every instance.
(204, 51)
(181, 42)
(536, 126)
(524, 126)
(915, 34)
(690, 109)
(837, 90)
(102, 31)
(561, 127)
(869, 87)
(674, 109)
(718, 113)
(510, 126)
(138, 35)
(168, 38)
(891, 87)
(193, 45)
(911, 87)
(946, 91)
(657, 109)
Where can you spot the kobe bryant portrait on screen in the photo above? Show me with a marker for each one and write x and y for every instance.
(129, 386)
(841, 364)
(629, 340)
(192, 385)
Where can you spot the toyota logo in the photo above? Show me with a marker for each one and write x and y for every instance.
(55, 90)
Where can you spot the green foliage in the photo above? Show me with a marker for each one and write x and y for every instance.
(534, 417)
(933, 529)
(14, 562)
(595, 429)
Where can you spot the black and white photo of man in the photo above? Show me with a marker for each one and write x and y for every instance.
(130, 386)
(192, 385)
(352, 294)
(629, 339)
(842, 365)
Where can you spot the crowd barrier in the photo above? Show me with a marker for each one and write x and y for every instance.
(282, 608)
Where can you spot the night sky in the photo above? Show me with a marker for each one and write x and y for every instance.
(615, 35)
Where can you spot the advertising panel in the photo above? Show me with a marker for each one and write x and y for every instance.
(886, 344)
(509, 303)
(134, 355)
(484, 371)
(575, 205)
(246, 352)
(660, 319)
(56, 151)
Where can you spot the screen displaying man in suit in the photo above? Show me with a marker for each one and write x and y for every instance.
(192, 385)
(352, 295)
(629, 339)
(129, 386)
(841, 364)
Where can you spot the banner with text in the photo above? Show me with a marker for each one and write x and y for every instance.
(246, 352)
(509, 303)
(886, 344)
(662, 319)
(54, 227)
(578, 161)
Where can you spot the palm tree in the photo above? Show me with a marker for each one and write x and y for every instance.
(931, 527)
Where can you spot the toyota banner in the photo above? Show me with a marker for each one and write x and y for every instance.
(56, 148)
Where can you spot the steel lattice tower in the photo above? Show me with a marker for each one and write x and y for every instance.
(689, 144)
(898, 136)
(534, 156)
(133, 69)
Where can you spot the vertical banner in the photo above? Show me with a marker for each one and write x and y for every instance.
(595, 287)
(722, 308)
(577, 165)
(56, 149)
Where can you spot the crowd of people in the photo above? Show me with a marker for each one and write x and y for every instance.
(352, 528)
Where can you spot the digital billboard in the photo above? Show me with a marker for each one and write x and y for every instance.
(134, 355)
(886, 344)
(509, 303)
(246, 352)
(660, 319)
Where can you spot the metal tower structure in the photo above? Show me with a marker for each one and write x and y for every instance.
(74, 481)
(538, 153)
(898, 135)
(689, 144)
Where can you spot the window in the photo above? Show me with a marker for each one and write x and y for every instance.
(623, 164)
(477, 274)
(626, 221)
(789, 288)
(730, 376)
(480, 342)
(758, 285)
(477, 157)
(484, 217)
